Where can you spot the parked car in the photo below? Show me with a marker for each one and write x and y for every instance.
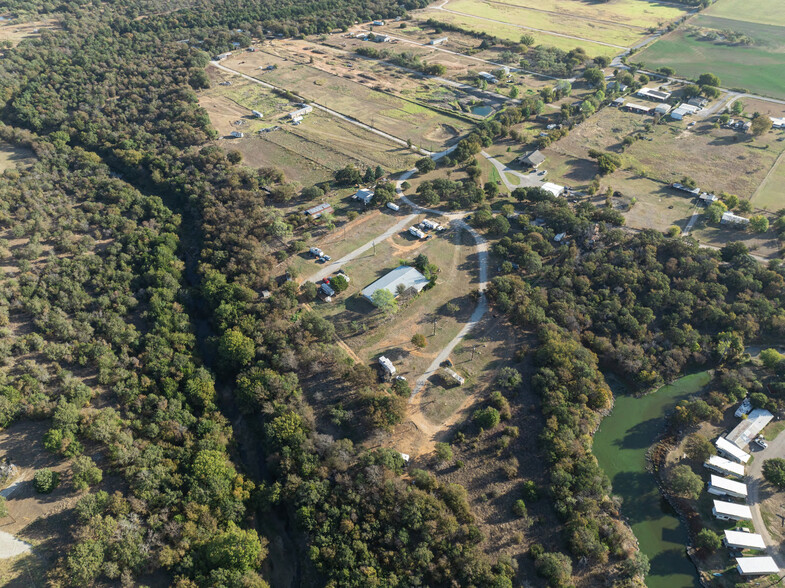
(761, 442)
(326, 257)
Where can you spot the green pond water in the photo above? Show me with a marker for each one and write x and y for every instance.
(482, 110)
(620, 446)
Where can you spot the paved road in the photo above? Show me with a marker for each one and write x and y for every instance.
(755, 479)
(323, 108)
(525, 28)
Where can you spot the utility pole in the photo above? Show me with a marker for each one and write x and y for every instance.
(474, 347)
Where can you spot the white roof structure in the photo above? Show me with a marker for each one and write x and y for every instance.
(554, 189)
(756, 566)
(742, 540)
(301, 112)
(363, 195)
(662, 108)
(749, 428)
(731, 450)
(653, 94)
(387, 365)
(777, 123)
(416, 232)
(730, 218)
(683, 110)
(725, 466)
(404, 274)
(731, 510)
(723, 486)
(488, 77)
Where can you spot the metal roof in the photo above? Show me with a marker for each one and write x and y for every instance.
(726, 485)
(757, 565)
(725, 465)
(733, 450)
(404, 274)
(749, 428)
(741, 511)
(742, 540)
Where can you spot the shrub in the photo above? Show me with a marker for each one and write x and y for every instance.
(554, 567)
(419, 340)
(443, 452)
(487, 418)
(519, 508)
(708, 540)
(45, 481)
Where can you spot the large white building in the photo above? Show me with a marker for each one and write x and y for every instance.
(731, 450)
(730, 511)
(742, 540)
(404, 274)
(724, 466)
(720, 486)
(756, 566)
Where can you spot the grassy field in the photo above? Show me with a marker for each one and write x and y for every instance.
(557, 23)
(700, 152)
(760, 68)
(16, 32)
(390, 114)
(12, 156)
(630, 12)
(767, 12)
(506, 31)
(770, 194)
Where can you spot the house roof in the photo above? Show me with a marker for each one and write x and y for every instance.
(319, 210)
(749, 428)
(729, 217)
(732, 449)
(364, 195)
(720, 463)
(743, 540)
(727, 485)
(732, 509)
(404, 274)
(757, 565)
(533, 158)
(652, 93)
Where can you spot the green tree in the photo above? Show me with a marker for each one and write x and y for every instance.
(84, 562)
(514, 92)
(699, 448)
(85, 473)
(385, 301)
(425, 165)
(683, 482)
(594, 76)
(760, 125)
(486, 418)
(556, 568)
(235, 349)
(709, 79)
(45, 481)
(443, 452)
(234, 549)
(759, 223)
(714, 211)
(419, 340)
(708, 540)
(774, 471)
(339, 283)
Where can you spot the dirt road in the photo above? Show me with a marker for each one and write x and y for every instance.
(755, 483)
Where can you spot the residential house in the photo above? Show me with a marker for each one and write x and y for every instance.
(749, 428)
(724, 466)
(683, 110)
(720, 486)
(533, 159)
(319, 210)
(698, 101)
(730, 511)
(731, 450)
(404, 275)
(757, 566)
(728, 218)
(653, 94)
(416, 232)
(363, 195)
(438, 41)
(743, 540)
(487, 77)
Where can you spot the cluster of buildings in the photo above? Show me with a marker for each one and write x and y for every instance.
(296, 116)
(686, 108)
(726, 483)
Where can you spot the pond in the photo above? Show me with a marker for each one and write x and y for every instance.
(620, 446)
(482, 110)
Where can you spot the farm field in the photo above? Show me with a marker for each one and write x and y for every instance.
(369, 335)
(767, 12)
(701, 152)
(639, 13)
(771, 193)
(593, 30)
(759, 68)
(426, 127)
(513, 33)
(309, 152)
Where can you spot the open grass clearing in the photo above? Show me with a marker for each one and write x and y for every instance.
(771, 193)
(14, 32)
(764, 245)
(759, 68)
(555, 22)
(370, 335)
(767, 12)
(357, 99)
(12, 156)
(717, 159)
(640, 13)
(513, 33)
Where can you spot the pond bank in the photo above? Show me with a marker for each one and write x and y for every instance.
(621, 445)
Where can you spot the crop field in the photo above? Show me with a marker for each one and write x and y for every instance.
(759, 68)
(767, 12)
(309, 152)
(424, 126)
(637, 13)
(593, 30)
(701, 152)
(771, 193)
(513, 33)
(368, 334)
